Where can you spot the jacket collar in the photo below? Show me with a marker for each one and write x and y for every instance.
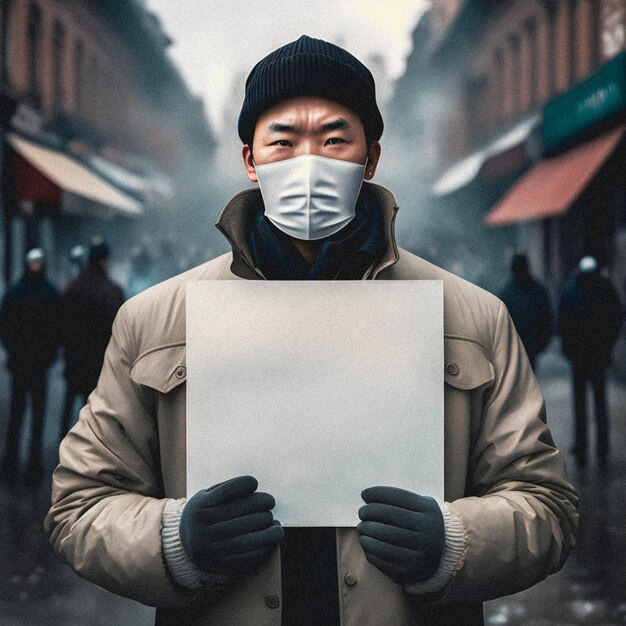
(232, 223)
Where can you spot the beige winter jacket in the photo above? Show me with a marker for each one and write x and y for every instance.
(125, 457)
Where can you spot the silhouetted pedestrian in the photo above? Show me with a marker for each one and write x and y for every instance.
(29, 332)
(142, 272)
(590, 316)
(529, 306)
(89, 305)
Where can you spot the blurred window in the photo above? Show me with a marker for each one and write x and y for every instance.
(499, 84)
(5, 16)
(533, 54)
(58, 50)
(513, 78)
(34, 51)
(94, 101)
(553, 53)
(595, 33)
(572, 26)
(79, 74)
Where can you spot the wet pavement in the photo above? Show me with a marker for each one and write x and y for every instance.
(35, 588)
(591, 587)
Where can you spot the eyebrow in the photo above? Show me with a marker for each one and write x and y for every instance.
(277, 127)
(338, 124)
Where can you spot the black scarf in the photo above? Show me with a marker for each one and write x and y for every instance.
(346, 255)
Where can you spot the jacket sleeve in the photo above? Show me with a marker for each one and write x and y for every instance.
(105, 519)
(520, 517)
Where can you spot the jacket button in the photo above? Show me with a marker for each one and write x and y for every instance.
(350, 579)
(452, 368)
(180, 372)
(272, 601)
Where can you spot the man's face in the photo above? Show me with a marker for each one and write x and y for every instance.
(310, 125)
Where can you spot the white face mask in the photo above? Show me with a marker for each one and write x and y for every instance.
(310, 197)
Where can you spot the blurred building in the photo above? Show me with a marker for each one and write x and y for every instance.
(516, 109)
(99, 130)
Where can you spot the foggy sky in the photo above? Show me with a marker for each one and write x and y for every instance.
(217, 42)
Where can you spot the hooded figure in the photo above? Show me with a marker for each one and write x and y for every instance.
(590, 316)
(89, 304)
(529, 306)
(29, 331)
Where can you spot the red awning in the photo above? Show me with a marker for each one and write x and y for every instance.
(47, 175)
(552, 185)
(31, 184)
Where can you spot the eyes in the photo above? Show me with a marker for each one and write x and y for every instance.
(331, 141)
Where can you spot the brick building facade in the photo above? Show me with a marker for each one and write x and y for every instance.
(526, 53)
(93, 81)
(520, 107)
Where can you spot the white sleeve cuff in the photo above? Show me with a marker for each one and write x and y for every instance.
(452, 558)
(180, 567)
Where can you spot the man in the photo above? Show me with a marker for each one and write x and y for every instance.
(29, 332)
(590, 316)
(529, 306)
(310, 127)
(89, 303)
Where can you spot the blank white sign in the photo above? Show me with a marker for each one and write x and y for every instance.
(318, 389)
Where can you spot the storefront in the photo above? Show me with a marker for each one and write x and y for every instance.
(572, 202)
(45, 187)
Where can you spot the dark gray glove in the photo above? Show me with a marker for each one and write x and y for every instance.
(228, 528)
(402, 534)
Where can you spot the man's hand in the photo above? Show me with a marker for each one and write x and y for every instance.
(402, 533)
(228, 528)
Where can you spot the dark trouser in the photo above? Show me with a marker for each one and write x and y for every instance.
(73, 390)
(31, 382)
(598, 385)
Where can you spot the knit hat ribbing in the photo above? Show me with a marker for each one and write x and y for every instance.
(310, 67)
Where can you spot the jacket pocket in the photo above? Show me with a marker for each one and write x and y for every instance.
(466, 365)
(162, 368)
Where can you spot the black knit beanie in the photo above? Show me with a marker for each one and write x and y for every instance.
(310, 67)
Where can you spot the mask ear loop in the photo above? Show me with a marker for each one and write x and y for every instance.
(257, 174)
(370, 173)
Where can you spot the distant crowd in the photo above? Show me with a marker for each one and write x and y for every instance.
(588, 321)
(37, 321)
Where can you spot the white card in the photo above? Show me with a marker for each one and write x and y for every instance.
(318, 389)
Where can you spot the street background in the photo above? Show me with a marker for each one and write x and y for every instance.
(505, 133)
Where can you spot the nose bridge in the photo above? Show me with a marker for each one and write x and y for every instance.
(308, 144)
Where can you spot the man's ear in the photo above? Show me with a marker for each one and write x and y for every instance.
(248, 162)
(373, 156)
